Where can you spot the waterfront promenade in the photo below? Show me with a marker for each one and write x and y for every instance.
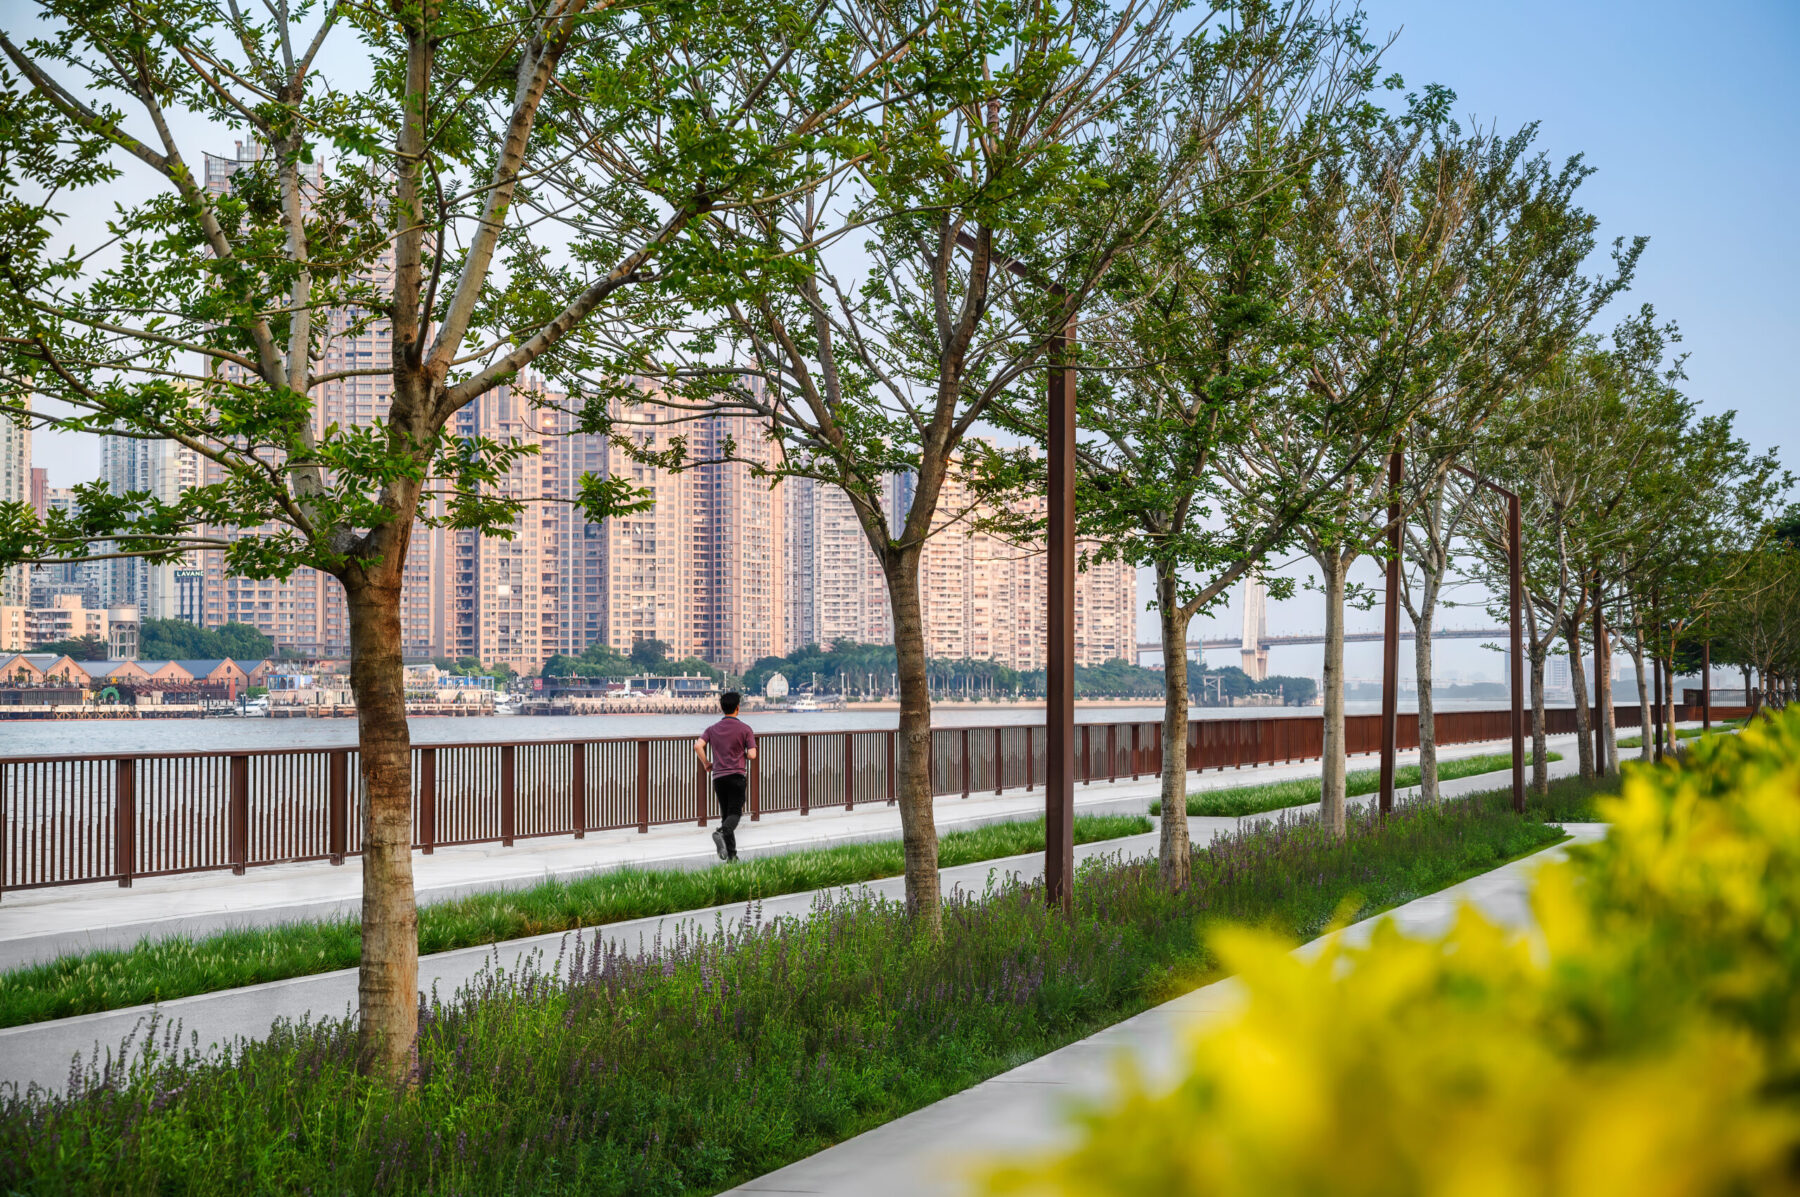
(55, 920)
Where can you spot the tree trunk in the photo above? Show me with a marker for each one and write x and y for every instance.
(1332, 762)
(912, 759)
(1646, 751)
(387, 981)
(1176, 850)
(1428, 765)
(1578, 682)
(1540, 752)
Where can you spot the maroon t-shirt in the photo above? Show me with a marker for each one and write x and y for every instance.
(729, 740)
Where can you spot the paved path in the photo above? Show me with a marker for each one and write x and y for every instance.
(40, 1053)
(1026, 1110)
(41, 924)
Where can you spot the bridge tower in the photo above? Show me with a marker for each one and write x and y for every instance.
(1254, 649)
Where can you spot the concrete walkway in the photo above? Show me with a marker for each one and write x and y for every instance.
(41, 924)
(1026, 1111)
(40, 1053)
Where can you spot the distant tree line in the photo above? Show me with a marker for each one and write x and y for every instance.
(176, 640)
(647, 656)
(850, 668)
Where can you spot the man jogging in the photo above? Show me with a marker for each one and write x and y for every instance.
(727, 748)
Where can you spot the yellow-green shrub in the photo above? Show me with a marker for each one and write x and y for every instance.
(1644, 1043)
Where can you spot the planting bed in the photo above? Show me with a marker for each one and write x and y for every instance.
(164, 969)
(717, 1058)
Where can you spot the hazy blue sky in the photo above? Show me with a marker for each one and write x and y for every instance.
(1688, 113)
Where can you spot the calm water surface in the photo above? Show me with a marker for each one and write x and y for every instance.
(99, 737)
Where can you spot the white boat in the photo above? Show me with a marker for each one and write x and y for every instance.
(805, 702)
(506, 704)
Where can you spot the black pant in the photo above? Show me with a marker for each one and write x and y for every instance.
(731, 790)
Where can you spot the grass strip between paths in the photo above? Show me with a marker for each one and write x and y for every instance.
(164, 969)
(718, 1057)
(1303, 791)
(1685, 733)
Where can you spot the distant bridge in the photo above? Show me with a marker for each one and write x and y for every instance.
(1268, 642)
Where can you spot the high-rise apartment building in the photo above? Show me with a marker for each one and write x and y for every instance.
(15, 487)
(161, 469)
(984, 597)
(835, 587)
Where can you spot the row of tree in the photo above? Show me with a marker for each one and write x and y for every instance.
(871, 670)
(869, 228)
(176, 640)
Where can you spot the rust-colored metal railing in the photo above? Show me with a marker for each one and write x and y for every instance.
(67, 820)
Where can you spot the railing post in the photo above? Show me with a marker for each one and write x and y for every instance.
(999, 762)
(756, 787)
(240, 812)
(805, 776)
(427, 800)
(700, 780)
(1029, 779)
(578, 789)
(1087, 757)
(965, 761)
(643, 787)
(1112, 752)
(893, 785)
(125, 818)
(338, 800)
(1135, 750)
(849, 771)
(509, 794)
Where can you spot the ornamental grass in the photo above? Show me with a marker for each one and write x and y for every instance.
(706, 1060)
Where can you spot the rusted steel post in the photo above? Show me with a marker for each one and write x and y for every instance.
(890, 768)
(1706, 686)
(337, 788)
(1657, 721)
(756, 788)
(509, 794)
(578, 790)
(701, 777)
(805, 776)
(240, 812)
(428, 800)
(1602, 688)
(1030, 764)
(125, 818)
(1137, 749)
(1390, 635)
(999, 762)
(849, 772)
(643, 787)
(1515, 554)
(1059, 661)
(965, 762)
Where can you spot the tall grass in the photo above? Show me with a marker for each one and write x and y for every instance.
(164, 969)
(711, 1059)
(1303, 791)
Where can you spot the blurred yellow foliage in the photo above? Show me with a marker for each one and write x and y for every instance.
(1644, 1042)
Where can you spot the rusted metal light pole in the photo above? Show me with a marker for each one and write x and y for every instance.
(1706, 686)
(1059, 660)
(1390, 636)
(1515, 568)
(1059, 656)
(1602, 686)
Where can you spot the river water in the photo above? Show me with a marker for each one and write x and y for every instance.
(103, 737)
